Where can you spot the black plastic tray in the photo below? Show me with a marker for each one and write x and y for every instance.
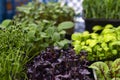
(89, 23)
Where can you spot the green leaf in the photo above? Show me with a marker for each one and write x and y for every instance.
(86, 34)
(46, 21)
(116, 79)
(94, 35)
(109, 37)
(50, 31)
(114, 51)
(76, 42)
(56, 36)
(77, 48)
(91, 42)
(32, 26)
(65, 25)
(101, 67)
(43, 35)
(108, 26)
(97, 28)
(62, 43)
(62, 32)
(107, 31)
(31, 35)
(109, 63)
(104, 46)
(37, 39)
(116, 43)
(116, 65)
(6, 22)
(88, 49)
(76, 36)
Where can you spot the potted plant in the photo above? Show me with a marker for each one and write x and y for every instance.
(108, 70)
(101, 12)
(30, 32)
(59, 64)
(50, 11)
(21, 41)
(103, 46)
(43, 23)
(13, 53)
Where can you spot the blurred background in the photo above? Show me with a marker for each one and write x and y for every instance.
(8, 7)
